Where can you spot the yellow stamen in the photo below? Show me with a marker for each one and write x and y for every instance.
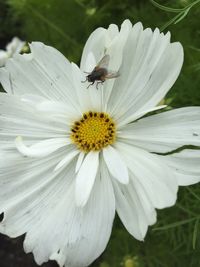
(94, 131)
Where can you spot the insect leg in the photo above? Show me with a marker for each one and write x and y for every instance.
(90, 85)
(101, 82)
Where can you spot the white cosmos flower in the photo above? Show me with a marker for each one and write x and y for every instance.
(71, 156)
(12, 48)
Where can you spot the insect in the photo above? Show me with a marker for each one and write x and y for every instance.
(100, 73)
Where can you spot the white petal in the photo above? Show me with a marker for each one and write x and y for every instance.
(91, 94)
(12, 48)
(116, 47)
(108, 41)
(19, 117)
(135, 116)
(149, 68)
(82, 91)
(40, 149)
(67, 159)
(156, 178)
(45, 72)
(166, 131)
(135, 210)
(25, 178)
(55, 227)
(94, 44)
(115, 51)
(86, 177)
(185, 165)
(15, 46)
(101, 42)
(115, 164)
(90, 63)
(3, 58)
(84, 237)
(57, 109)
(79, 161)
(32, 99)
(41, 190)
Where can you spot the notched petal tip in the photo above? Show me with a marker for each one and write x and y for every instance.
(59, 258)
(126, 23)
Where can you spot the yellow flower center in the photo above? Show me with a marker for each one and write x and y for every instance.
(94, 131)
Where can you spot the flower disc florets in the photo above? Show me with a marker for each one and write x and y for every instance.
(94, 131)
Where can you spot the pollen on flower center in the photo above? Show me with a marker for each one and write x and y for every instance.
(94, 131)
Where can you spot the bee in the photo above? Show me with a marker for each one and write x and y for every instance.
(100, 73)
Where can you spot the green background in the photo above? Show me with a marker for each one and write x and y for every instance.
(65, 24)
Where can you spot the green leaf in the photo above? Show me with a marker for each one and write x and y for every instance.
(195, 233)
(175, 224)
(165, 8)
(182, 12)
(183, 15)
(193, 193)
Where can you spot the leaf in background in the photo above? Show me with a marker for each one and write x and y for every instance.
(182, 12)
(195, 233)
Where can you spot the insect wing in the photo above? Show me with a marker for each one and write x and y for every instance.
(103, 63)
(112, 74)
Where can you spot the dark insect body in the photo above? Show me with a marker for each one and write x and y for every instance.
(100, 73)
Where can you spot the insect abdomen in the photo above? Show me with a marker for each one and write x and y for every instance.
(97, 75)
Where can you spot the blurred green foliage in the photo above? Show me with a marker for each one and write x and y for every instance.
(66, 24)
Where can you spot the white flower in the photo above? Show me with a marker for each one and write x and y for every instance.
(71, 156)
(14, 47)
